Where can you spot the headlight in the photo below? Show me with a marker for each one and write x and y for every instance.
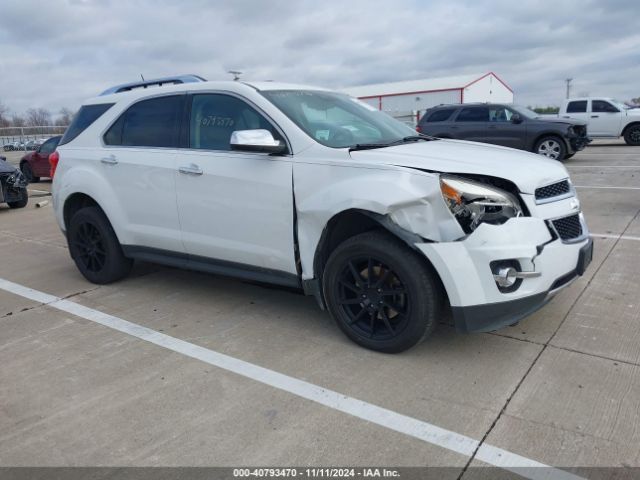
(473, 203)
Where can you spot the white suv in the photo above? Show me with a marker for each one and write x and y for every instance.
(308, 188)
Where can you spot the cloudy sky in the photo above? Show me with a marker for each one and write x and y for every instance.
(56, 53)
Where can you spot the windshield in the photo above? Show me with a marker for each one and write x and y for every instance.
(525, 112)
(337, 120)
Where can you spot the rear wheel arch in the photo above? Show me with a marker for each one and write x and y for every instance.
(76, 202)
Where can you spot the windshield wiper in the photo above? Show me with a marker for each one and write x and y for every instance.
(413, 138)
(368, 146)
(410, 138)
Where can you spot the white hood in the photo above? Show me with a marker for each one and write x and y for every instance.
(527, 170)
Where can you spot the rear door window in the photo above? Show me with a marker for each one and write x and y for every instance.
(578, 106)
(83, 119)
(440, 115)
(473, 114)
(149, 123)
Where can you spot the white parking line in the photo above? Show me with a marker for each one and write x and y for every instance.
(410, 426)
(614, 236)
(606, 187)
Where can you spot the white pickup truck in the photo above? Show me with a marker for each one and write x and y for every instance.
(606, 117)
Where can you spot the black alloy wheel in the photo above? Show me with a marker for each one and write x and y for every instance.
(632, 135)
(90, 247)
(373, 298)
(95, 248)
(382, 294)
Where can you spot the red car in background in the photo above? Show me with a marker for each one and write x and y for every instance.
(36, 164)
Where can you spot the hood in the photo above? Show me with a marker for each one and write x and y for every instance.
(6, 167)
(527, 170)
(633, 112)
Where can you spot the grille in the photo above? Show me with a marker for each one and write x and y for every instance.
(568, 228)
(553, 190)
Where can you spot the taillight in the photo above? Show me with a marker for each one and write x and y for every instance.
(54, 158)
(418, 129)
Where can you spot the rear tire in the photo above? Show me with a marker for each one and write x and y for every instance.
(382, 294)
(27, 171)
(632, 135)
(22, 202)
(552, 147)
(95, 248)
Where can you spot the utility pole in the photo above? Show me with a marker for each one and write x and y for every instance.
(568, 81)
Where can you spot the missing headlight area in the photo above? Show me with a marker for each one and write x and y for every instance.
(473, 203)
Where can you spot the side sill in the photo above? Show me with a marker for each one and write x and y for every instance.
(212, 265)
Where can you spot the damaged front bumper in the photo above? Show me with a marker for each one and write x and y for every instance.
(468, 267)
(12, 186)
(578, 142)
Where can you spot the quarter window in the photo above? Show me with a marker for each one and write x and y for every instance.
(149, 123)
(600, 106)
(214, 117)
(49, 146)
(81, 121)
(578, 106)
(473, 114)
(440, 115)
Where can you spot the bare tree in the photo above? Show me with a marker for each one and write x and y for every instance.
(4, 115)
(17, 120)
(38, 116)
(65, 116)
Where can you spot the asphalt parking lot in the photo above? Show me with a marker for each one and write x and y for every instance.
(80, 388)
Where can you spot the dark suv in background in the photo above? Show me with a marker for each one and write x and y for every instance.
(507, 125)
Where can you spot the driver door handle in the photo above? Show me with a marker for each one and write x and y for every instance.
(110, 160)
(595, 116)
(191, 169)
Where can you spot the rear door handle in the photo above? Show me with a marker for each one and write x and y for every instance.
(595, 116)
(192, 169)
(110, 160)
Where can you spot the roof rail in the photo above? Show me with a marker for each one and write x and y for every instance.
(125, 87)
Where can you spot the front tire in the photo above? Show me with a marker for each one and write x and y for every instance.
(94, 247)
(23, 200)
(632, 135)
(552, 147)
(27, 171)
(381, 293)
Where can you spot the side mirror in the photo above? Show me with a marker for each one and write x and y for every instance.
(258, 140)
(516, 118)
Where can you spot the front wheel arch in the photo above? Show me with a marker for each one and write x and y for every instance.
(349, 223)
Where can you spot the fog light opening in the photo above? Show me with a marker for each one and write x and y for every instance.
(506, 275)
